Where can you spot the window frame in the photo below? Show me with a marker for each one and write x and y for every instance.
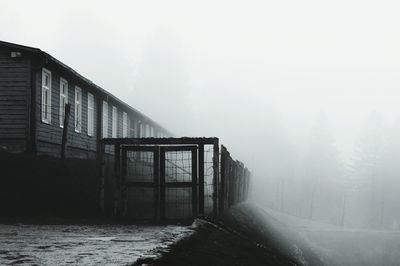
(114, 122)
(78, 106)
(105, 120)
(46, 113)
(90, 127)
(152, 132)
(124, 125)
(141, 130)
(65, 96)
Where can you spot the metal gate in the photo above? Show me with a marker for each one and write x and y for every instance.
(139, 190)
(159, 182)
(159, 179)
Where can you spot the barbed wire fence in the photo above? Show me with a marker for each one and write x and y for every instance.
(219, 188)
(158, 180)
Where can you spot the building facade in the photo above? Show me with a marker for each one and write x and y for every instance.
(34, 89)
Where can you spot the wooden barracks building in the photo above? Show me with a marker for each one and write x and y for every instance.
(34, 89)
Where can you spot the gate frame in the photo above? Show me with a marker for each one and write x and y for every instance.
(124, 185)
(192, 184)
(200, 142)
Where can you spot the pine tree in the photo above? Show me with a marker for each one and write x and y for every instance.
(367, 170)
(322, 174)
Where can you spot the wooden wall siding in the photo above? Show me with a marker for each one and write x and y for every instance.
(48, 134)
(15, 90)
(14, 83)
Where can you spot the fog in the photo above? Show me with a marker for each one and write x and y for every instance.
(305, 93)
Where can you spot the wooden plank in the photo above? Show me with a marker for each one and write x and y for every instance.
(229, 181)
(12, 125)
(140, 148)
(140, 184)
(178, 184)
(232, 193)
(160, 141)
(180, 148)
(12, 135)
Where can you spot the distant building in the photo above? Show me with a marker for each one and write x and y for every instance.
(34, 88)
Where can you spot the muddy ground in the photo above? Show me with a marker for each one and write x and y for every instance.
(214, 243)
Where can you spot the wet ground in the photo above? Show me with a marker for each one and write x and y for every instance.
(30, 244)
(216, 244)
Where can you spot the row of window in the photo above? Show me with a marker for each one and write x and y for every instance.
(144, 129)
(114, 122)
(47, 105)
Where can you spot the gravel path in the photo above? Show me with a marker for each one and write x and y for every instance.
(28, 244)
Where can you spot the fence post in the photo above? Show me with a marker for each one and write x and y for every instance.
(241, 184)
(228, 180)
(231, 182)
(201, 179)
(194, 183)
(122, 185)
(162, 183)
(223, 177)
(102, 175)
(157, 189)
(65, 130)
(215, 177)
(117, 190)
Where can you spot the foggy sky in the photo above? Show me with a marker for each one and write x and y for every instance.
(242, 68)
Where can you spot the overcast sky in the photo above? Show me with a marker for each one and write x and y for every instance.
(240, 66)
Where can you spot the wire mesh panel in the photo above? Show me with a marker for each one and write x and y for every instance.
(140, 166)
(178, 203)
(179, 179)
(141, 203)
(140, 182)
(208, 180)
(171, 178)
(178, 166)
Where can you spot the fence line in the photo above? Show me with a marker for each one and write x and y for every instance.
(208, 173)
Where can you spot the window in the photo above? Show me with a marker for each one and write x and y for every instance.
(114, 122)
(124, 125)
(135, 129)
(105, 119)
(63, 99)
(78, 109)
(152, 132)
(46, 96)
(141, 130)
(90, 129)
(147, 133)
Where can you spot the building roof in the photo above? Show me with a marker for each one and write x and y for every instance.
(49, 57)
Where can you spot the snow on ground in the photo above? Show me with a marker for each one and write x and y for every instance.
(27, 244)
